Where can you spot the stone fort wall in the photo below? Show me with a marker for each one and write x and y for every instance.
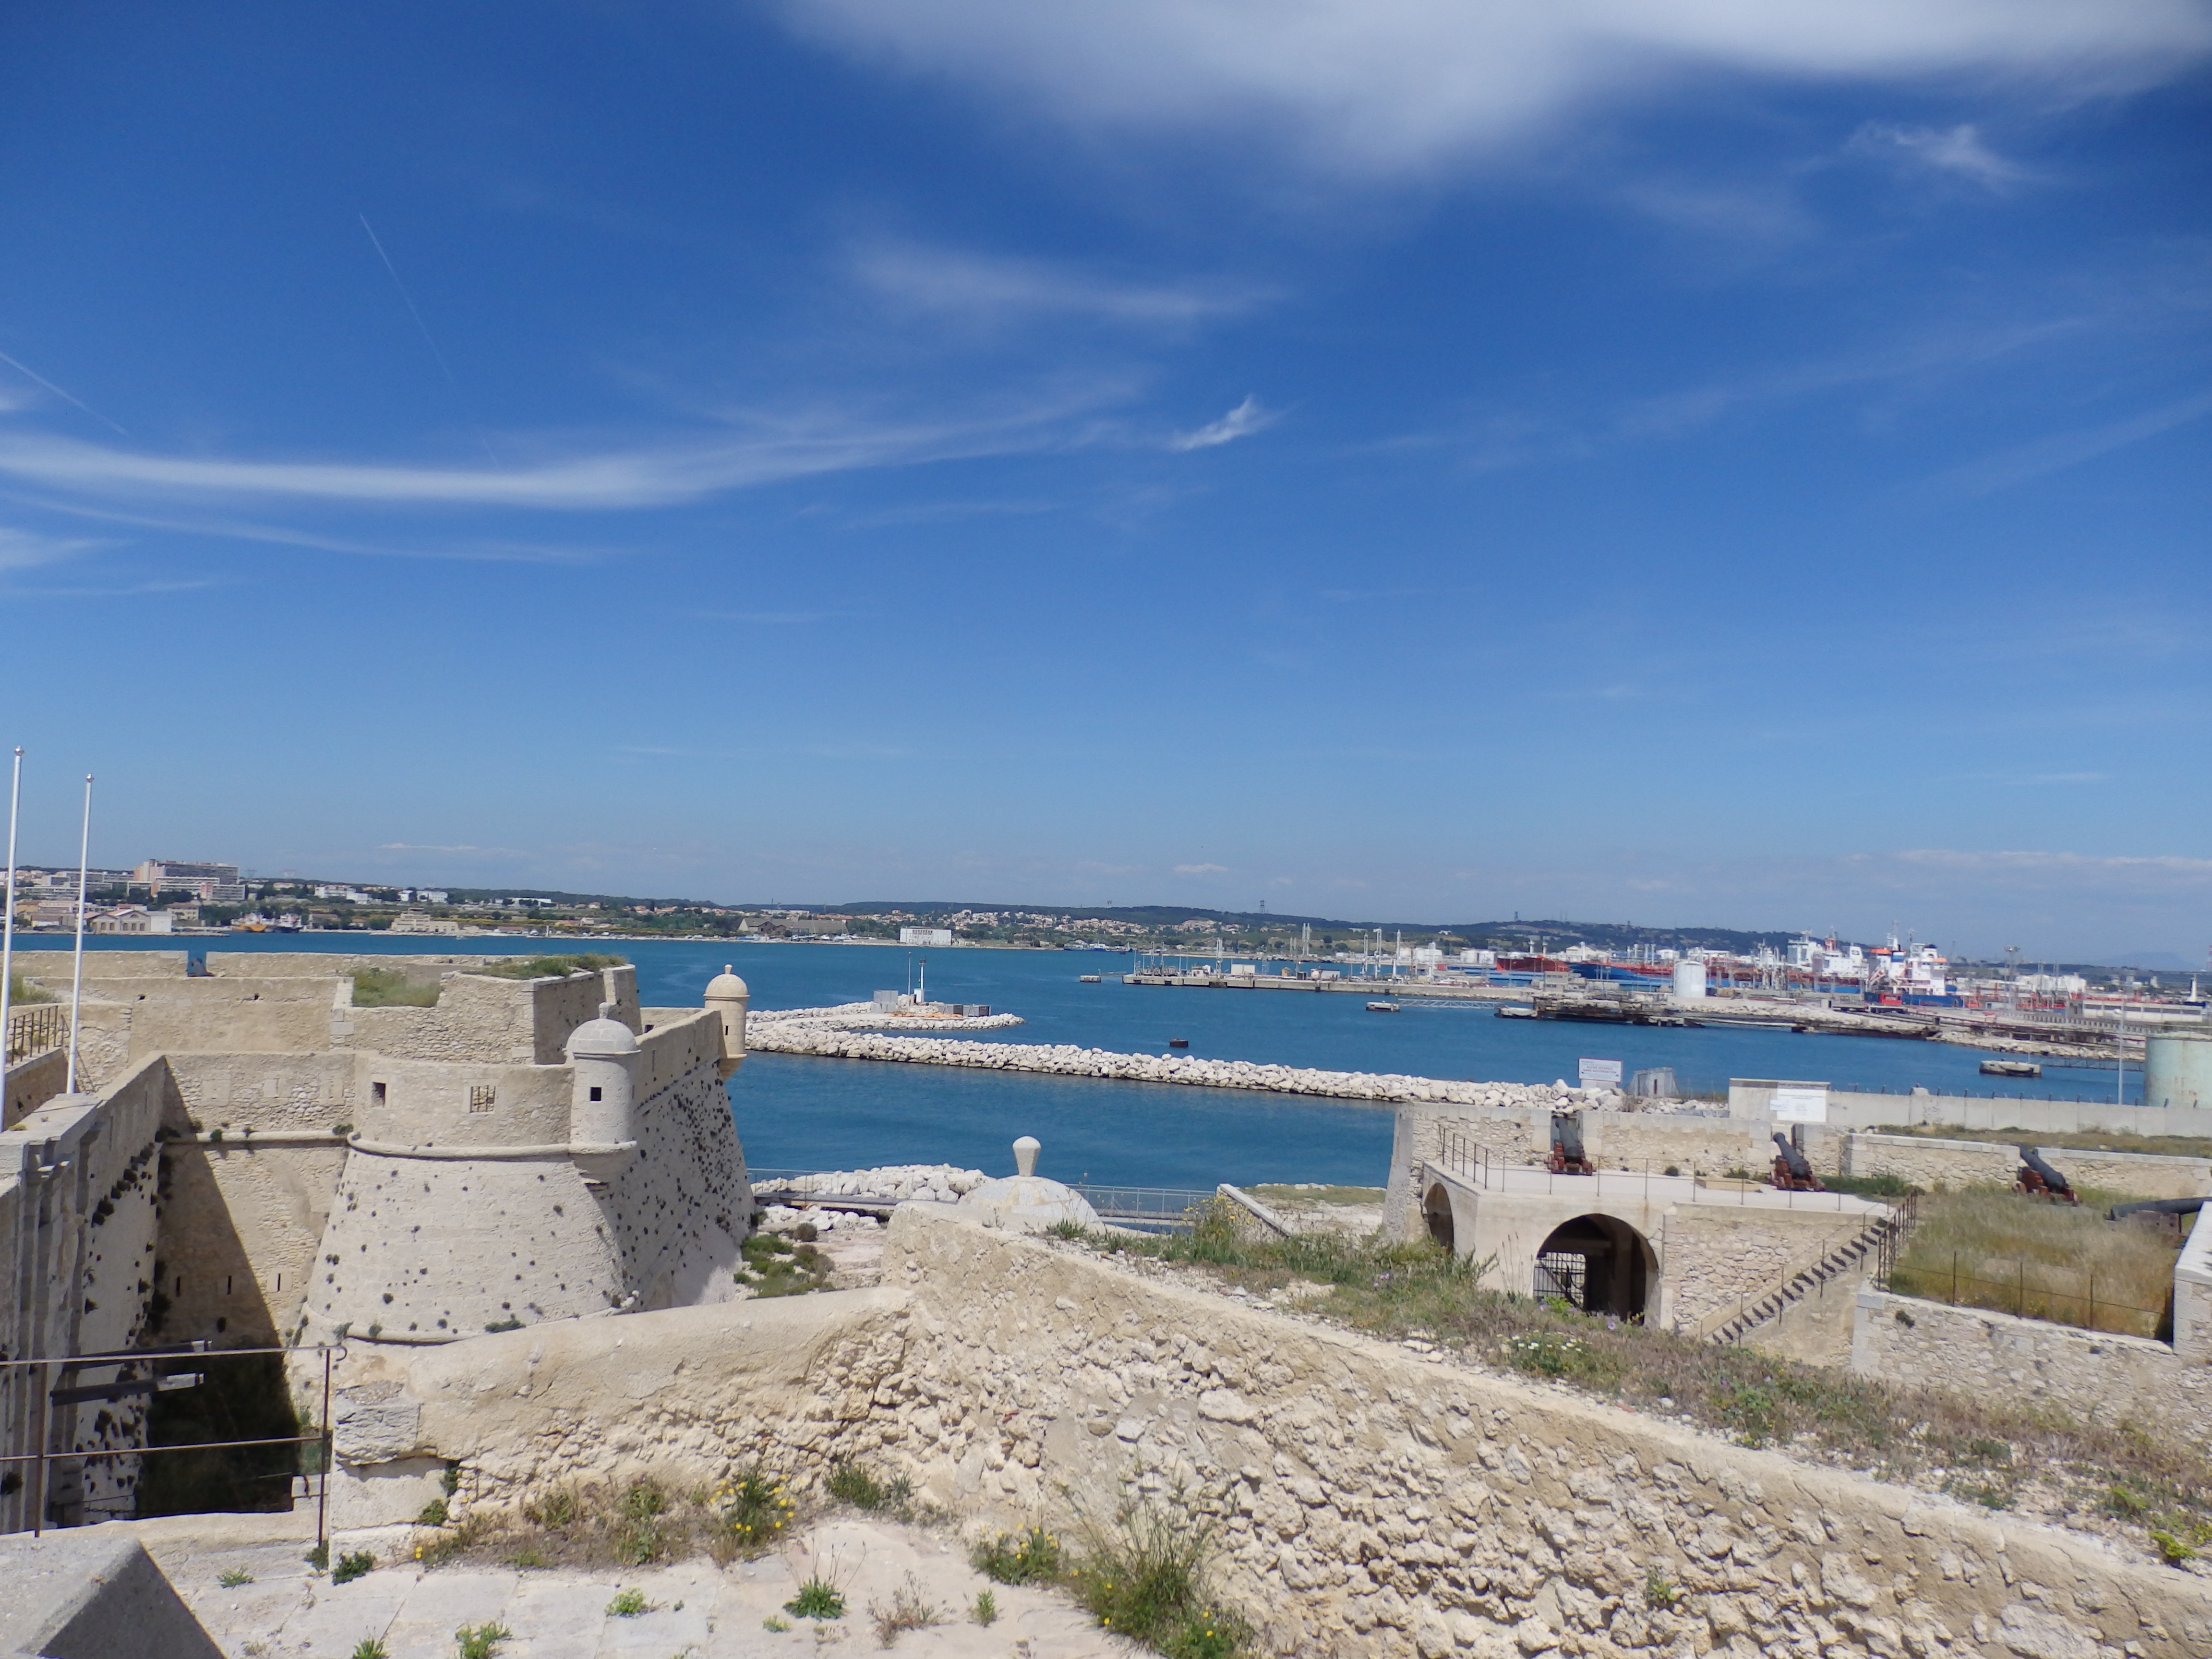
(1371, 1501)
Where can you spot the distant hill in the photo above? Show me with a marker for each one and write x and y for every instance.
(1555, 935)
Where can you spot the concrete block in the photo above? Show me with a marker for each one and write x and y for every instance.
(385, 1494)
(89, 1594)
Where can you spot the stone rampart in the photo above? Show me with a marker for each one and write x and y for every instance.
(1930, 1162)
(78, 1179)
(30, 1082)
(1370, 1501)
(2028, 1115)
(2093, 1374)
(1514, 1132)
(450, 1221)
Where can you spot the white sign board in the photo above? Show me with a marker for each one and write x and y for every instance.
(1801, 1105)
(1598, 1073)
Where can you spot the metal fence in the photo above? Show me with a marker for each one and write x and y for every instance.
(2023, 1297)
(34, 1029)
(165, 1368)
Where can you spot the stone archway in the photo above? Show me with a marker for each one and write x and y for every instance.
(1599, 1263)
(1436, 1210)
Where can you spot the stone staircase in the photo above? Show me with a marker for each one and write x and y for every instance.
(1846, 1250)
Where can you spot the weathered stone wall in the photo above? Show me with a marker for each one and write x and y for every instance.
(1928, 1162)
(236, 1092)
(1716, 1259)
(2095, 1375)
(30, 1082)
(1371, 1501)
(77, 1204)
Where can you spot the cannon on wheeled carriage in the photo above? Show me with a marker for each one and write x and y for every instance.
(2039, 1180)
(1792, 1173)
(1567, 1156)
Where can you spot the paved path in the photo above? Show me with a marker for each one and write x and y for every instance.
(698, 1610)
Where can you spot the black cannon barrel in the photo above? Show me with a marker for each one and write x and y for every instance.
(1567, 1133)
(2157, 1207)
(2051, 1178)
(1795, 1158)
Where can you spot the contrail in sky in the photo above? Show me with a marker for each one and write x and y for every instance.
(33, 374)
(423, 328)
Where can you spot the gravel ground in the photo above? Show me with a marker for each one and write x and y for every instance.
(696, 1609)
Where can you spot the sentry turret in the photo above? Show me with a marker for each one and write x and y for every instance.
(727, 996)
(603, 1111)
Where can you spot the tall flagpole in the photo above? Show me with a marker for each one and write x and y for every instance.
(8, 927)
(76, 979)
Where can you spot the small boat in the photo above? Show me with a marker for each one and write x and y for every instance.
(1509, 1012)
(1382, 1007)
(2011, 1068)
(1178, 1042)
(1087, 979)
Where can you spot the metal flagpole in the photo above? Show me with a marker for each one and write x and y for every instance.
(76, 978)
(8, 927)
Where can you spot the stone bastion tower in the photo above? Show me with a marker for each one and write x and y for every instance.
(283, 1147)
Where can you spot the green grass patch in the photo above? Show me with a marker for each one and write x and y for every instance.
(773, 1265)
(1310, 1193)
(390, 988)
(1031, 1556)
(1143, 1579)
(546, 966)
(2002, 1251)
(850, 1483)
(817, 1598)
(21, 993)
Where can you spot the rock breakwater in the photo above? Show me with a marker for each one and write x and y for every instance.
(1066, 1060)
(866, 1017)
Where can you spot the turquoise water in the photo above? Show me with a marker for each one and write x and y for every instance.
(832, 1114)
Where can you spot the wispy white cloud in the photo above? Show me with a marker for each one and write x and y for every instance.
(1382, 85)
(993, 288)
(24, 550)
(2166, 871)
(470, 551)
(1201, 869)
(1241, 421)
(2065, 449)
(764, 453)
(1958, 150)
(66, 396)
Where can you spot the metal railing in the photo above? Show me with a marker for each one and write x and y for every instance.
(34, 1029)
(123, 1386)
(2017, 1295)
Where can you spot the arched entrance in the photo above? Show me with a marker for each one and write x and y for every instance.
(1437, 1209)
(1600, 1265)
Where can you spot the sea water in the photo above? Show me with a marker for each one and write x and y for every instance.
(796, 1112)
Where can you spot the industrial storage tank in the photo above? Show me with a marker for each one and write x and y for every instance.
(2178, 1069)
(1689, 981)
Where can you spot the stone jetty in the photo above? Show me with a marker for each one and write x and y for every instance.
(778, 1035)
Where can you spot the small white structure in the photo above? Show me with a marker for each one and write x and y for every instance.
(1690, 982)
(1027, 1203)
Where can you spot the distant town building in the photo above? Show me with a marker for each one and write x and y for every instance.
(129, 919)
(940, 938)
(215, 883)
(414, 921)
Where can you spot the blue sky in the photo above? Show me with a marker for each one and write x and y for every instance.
(1696, 462)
